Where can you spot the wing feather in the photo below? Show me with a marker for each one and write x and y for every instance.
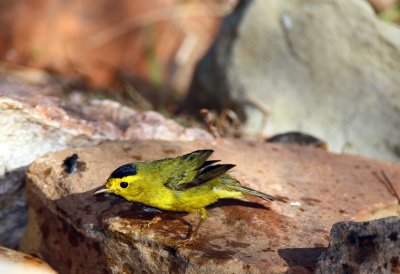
(205, 175)
(186, 167)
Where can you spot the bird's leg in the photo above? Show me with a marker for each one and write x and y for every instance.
(192, 234)
(203, 216)
(189, 225)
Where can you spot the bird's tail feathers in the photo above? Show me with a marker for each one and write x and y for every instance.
(232, 183)
(259, 194)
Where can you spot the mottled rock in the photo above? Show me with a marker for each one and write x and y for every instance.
(14, 262)
(33, 123)
(40, 124)
(99, 234)
(366, 247)
(326, 67)
(13, 210)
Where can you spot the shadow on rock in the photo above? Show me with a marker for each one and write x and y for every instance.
(126, 209)
(301, 258)
(235, 202)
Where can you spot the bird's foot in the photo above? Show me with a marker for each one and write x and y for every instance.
(191, 236)
(185, 242)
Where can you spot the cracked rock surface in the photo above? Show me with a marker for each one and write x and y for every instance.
(77, 232)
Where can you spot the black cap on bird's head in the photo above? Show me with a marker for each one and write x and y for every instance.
(125, 170)
(119, 173)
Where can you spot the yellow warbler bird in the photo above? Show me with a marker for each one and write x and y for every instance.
(187, 183)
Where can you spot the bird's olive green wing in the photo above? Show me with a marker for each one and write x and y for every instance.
(205, 175)
(185, 168)
(193, 169)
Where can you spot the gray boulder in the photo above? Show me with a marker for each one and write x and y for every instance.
(326, 67)
(367, 247)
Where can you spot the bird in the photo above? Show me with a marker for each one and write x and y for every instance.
(187, 183)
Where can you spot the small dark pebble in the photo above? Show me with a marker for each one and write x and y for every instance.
(70, 163)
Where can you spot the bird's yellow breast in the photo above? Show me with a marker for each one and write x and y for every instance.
(189, 200)
(154, 193)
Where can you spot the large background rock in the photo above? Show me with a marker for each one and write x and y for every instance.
(95, 234)
(329, 68)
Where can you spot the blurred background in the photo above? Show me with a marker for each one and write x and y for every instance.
(144, 47)
(250, 69)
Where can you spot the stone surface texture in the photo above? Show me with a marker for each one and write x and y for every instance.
(14, 262)
(33, 121)
(13, 209)
(77, 232)
(312, 64)
(367, 247)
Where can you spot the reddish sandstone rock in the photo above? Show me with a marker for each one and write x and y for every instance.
(77, 232)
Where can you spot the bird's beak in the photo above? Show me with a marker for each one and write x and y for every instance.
(101, 189)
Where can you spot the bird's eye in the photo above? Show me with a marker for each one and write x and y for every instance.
(123, 184)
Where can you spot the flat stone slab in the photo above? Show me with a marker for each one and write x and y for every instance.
(77, 232)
